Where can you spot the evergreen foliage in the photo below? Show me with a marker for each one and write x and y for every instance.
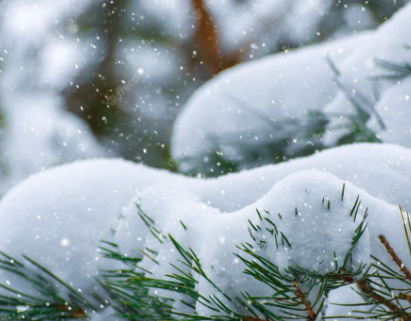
(135, 294)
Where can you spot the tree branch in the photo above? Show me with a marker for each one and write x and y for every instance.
(395, 257)
(368, 290)
(311, 315)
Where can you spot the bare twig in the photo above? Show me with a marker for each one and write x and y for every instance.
(206, 36)
(368, 290)
(311, 315)
(404, 296)
(395, 257)
(74, 313)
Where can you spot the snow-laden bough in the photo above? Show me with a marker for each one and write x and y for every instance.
(260, 111)
(300, 213)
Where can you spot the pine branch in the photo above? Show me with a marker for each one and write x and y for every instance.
(395, 257)
(47, 302)
(311, 315)
(363, 107)
(136, 294)
(136, 287)
(398, 71)
(368, 290)
(386, 301)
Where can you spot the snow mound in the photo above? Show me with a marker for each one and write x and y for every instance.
(58, 217)
(311, 202)
(306, 200)
(259, 101)
(262, 111)
(384, 171)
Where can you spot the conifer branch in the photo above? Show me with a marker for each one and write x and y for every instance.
(370, 292)
(136, 294)
(47, 304)
(311, 315)
(395, 257)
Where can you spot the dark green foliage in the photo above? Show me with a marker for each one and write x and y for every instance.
(396, 71)
(290, 288)
(245, 151)
(355, 122)
(297, 293)
(387, 290)
(42, 299)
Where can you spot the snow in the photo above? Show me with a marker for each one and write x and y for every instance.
(394, 108)
(58, 217)
(345, 295)
(303, 190)
(271, 88)
(213, 234)
(269, 100)
(37, 136)
(356, 71)
(384, 171)
(298, 213)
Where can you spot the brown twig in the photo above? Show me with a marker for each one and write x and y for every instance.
(368, 290)
(395, 257)
(311, 315)
(405, 227)
(74, 313)
(404, 296)
(206, 36)
(207, 40)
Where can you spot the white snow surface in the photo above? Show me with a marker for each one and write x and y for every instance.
(348, 294)
(59, 216)
(268, 100)
(213, 235)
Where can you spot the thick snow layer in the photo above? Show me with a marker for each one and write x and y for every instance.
(213, 235)
(58, 217)
(208, 226)
(260, 100)
(344, 295)
(384, 171)
(388, 44)
(269, 100)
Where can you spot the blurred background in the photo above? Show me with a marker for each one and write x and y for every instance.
(81, 78)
